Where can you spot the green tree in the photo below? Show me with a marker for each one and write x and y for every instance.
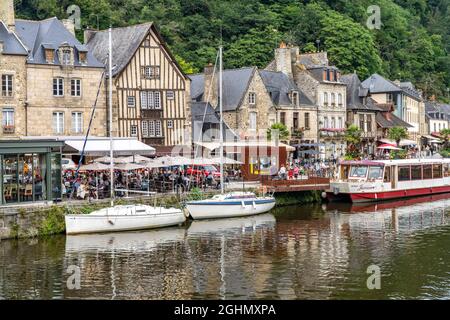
(445, 134)
(283, 132)
(397, 134)
(187, 67)
(353, 139)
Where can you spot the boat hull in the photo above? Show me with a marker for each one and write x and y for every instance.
(387, 195)
(82, 224)
(213, 210)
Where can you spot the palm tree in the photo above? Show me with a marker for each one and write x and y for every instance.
(353, 139)
(283, 132)
(445, 134)
(397, 134)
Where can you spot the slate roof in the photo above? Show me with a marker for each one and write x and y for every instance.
(11, 43)
(356, 94)
(211, 117)
(389, 120)
(50, 33)
(125, 42)
(279, 86)
(378, 84)
(235, 84)
(433, 108)
(198, 112)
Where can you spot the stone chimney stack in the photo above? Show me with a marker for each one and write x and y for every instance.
(88, 34)
(69, 25)
(283, 59)
(7, 14)
(211, 85)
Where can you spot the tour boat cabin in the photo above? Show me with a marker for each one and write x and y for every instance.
(361, 181)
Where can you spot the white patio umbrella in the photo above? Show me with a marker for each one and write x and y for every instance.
(225, 160)
(116, 160)
(136, 159)
(128, 166)
(388, 147)
(173, 161)
(96, 166)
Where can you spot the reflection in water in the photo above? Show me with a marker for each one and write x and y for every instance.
(308, 252)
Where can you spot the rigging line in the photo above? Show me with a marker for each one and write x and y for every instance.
(208, 97)
(87, 132)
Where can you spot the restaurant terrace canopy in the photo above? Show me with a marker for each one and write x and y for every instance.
(97, 147)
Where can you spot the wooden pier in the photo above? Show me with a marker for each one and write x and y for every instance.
(294, 185)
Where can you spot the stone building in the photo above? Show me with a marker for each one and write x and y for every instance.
(293, 108)
(247, 105)
(407, 102)
(362, 112)
(321, 84)
(13, 85)
(151, 94)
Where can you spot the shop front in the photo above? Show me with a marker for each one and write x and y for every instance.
(30, 171)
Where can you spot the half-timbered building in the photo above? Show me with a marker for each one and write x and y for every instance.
(151, 94)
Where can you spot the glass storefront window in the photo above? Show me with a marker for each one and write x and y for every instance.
(56, 176)
(39, 174)
(26, 177)
(10, 190)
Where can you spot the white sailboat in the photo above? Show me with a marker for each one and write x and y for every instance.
(123, 217)
(234, 204)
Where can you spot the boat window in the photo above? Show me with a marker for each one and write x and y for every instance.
(387, 174)
(427, 172)
(416, 172)
(404, 173)
(344, 172)
(375, 173)
(437, 171)
(446, 170)
(358, 171)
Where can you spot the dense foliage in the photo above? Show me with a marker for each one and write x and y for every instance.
(412, 44)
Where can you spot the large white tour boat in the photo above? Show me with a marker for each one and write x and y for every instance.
(362, 181)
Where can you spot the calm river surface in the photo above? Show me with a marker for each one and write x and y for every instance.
(308, 252)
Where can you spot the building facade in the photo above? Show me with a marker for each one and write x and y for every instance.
(406, 100)
(247, 106)
(151, 94)
(13, 73)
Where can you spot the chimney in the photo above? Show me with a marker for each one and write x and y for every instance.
(211, 85)
(7, 14)
(397, 82)
(69, 25)
(283, 59)
(88, 34)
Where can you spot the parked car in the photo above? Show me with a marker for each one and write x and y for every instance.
(68, 164)
(203, 169)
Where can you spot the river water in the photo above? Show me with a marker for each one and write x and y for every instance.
(307, 252)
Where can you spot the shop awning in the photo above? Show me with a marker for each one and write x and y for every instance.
(101, 146)
(403, 142)
(240, 144)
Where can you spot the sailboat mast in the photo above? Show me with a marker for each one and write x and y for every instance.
(221, 119)
(111, 153)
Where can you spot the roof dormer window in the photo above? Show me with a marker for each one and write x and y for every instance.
(65, 53)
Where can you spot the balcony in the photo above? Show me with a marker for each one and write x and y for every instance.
(8, 129)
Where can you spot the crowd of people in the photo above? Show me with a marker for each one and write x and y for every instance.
(298, 169)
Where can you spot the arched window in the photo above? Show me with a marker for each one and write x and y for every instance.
(340, 99)
(333, 99)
